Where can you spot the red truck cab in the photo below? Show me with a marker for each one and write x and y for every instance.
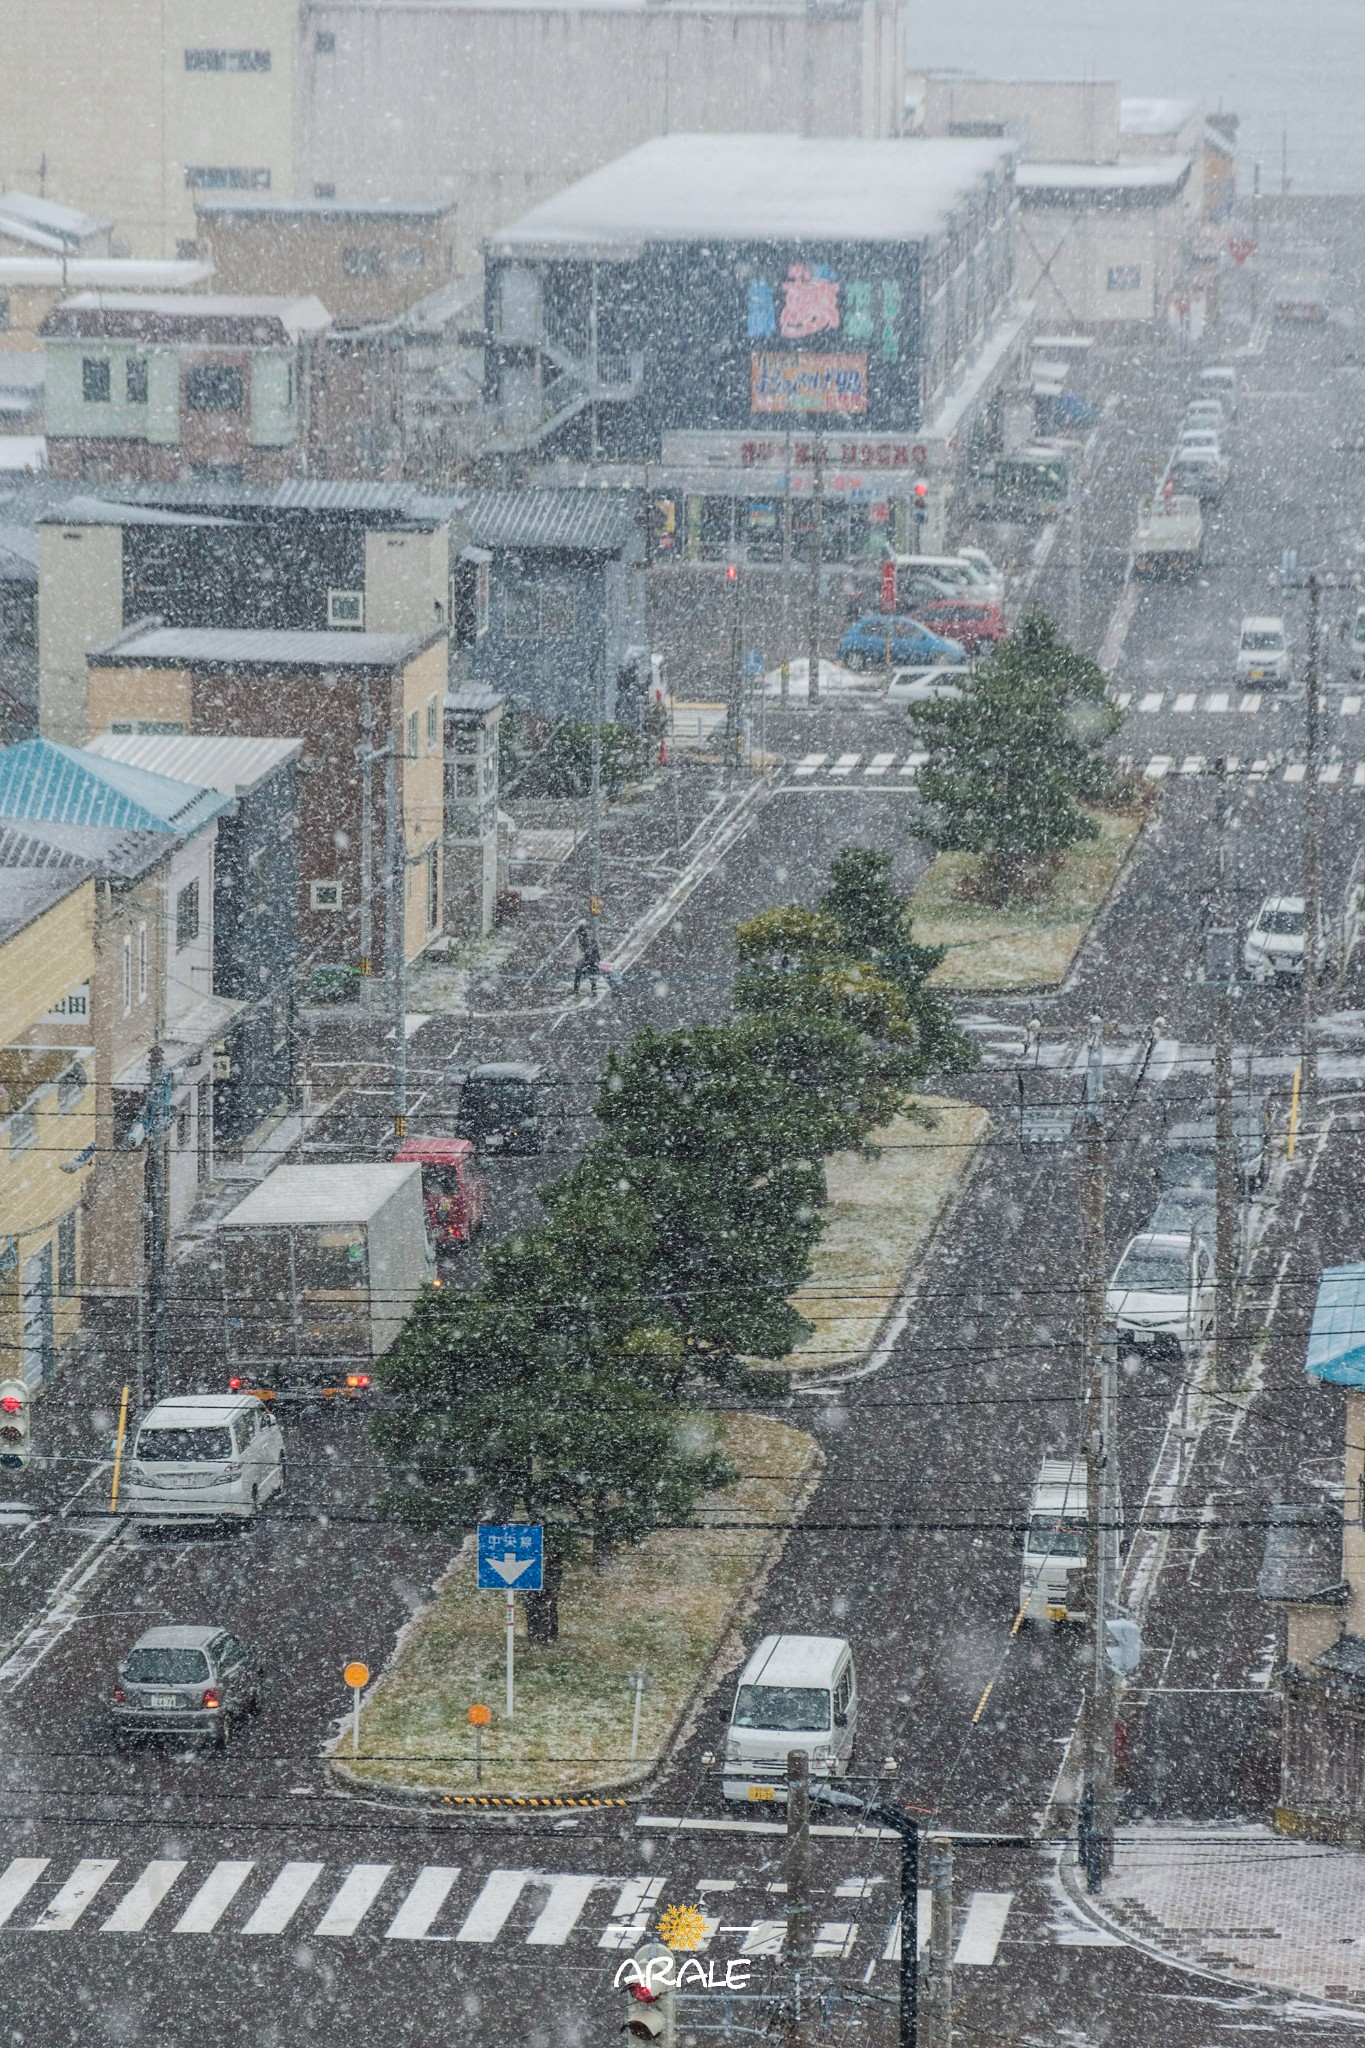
(452, 1187)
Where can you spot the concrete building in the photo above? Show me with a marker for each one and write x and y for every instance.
(255, 908)
(1111, 190)
(149, 386)
(368, 260)
(492, 107)
(48, 1091)
(338, 692)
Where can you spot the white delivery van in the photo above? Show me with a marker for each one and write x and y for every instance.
(203, 1458)
(1054, 1543)
(795, 1692)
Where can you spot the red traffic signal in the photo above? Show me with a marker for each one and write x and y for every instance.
(14, 1423)
(732, 574)
(921, 492)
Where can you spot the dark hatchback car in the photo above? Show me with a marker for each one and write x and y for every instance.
(1189, 1158)
(500, 1107)
(186, 1681)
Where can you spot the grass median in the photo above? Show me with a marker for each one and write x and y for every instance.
(665, 1608)
(1029, 944)
(880, 1216)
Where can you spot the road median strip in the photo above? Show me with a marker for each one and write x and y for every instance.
(668, 1607)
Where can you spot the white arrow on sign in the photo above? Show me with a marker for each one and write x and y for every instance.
(508, 1567)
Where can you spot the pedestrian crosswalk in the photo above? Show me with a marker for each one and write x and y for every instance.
(853, 767)
(1186, 703)
(528, 1907)
(1262, 768)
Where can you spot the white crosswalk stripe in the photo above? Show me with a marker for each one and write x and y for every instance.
(1350, 707)
(809, 763)
(1186, 701)
(1251, 701)
(879, 764)
(1330, 773)
(845, 764)
(545, 1909)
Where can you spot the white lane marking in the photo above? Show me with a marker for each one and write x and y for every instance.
(361, 1887)
(1123, 698)
(284, 1898)
(1159, 765)
(623, 1933)
(986, 1917)
(845, 764)
(1153, 701)
(141, 1900)
(213, 1898)
(1116, 632)
(1217, 701)
(1330, 771)
(1350, 707)
(1193, 764)
(638, 1894)
(569, 1894)
(836, 1938)
(430, 1889)
(808, 764)
(61, 1914)
(764, 1938)
(1258, 771)
(756, 1827)
(879, 764)
(19, 1878)
(924, 1913)
(912, 764)
(487, 1916)
(1295, 772)
(1358, 779)
(1251, 701)
(1186, 701)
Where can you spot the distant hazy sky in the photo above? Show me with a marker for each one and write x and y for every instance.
(1293, 69)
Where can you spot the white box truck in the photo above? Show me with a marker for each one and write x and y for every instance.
(321, 1266)
(1169, 533)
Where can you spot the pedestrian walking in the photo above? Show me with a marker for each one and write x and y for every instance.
(589, 958)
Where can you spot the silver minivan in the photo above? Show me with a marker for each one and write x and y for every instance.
(204, 1458)
(795, 1692)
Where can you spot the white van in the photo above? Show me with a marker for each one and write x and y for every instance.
(203, 1458)
(1054, 1543)
(795, 1692)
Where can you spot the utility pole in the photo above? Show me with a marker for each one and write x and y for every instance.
(1220, 966)
(595, 805)
(732, 686)
(1312, 851)
(937, 2031)
(800, 1943)
(885, 1816)
(1100, 1362)
(152, 1376)
(367, 761)
(817, 542)
(395, 871)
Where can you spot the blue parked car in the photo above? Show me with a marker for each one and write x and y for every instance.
(864, 645)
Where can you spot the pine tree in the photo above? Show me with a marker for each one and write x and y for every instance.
(1013, 759)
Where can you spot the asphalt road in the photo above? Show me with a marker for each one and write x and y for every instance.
(163, 1896)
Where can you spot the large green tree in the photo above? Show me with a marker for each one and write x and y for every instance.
(1014, 759)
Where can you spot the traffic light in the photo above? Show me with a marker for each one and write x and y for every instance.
(921, 502)
(14, 1423)
(651, 2001)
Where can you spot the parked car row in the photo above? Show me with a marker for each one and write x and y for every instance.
(932, 608)
(1198, 466)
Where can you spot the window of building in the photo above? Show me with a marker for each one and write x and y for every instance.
(71, 1086)
(433, 721)
(186, 916)
(414, 720)
(182, 1129)
(66, 1253)
(23, 1130)
(346, 608)
(557, 611)
(169, 726)
(95, 380)
(4, 316)
(1125, 277)
(229, 473)
(325, 45)
(367, 262)
(127, 977)
(324, 191)
(412, 256)
(433, 888)
(481, 597)
(227, 60)
(521, 612)
(215, 387)
(289, 384)
(227, 178)
(325, 895)
(466, 779)
(135, 380)
(142, 963)
(187, 251)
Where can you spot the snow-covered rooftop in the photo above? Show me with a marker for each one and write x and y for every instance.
(761, 188)
(1129, 174)
(1155, 117)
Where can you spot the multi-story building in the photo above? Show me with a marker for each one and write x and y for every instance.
(48, 1090)
(473, 101)
(146, 386)
(346, 695)
(368, 260)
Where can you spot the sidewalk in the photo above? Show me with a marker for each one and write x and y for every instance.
(1241, 1902)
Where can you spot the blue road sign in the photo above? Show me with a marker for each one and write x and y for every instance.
(753, 662)
(511, 1557)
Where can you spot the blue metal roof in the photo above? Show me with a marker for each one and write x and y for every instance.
(39, 779)
(1336, 1341)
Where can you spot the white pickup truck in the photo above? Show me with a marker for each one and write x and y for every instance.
(1169, 533)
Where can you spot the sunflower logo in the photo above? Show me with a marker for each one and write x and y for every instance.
(682, 1927)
